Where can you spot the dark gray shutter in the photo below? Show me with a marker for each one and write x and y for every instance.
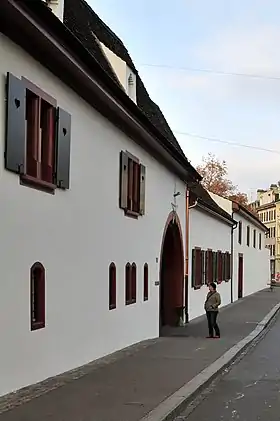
(123, 179)
(63, 140)
(142, 189)
(15, 125)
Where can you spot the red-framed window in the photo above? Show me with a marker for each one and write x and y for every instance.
(40, 139)
(38, 136)
(112, 287)
(37, 296)
(146, 282)
(240, 232)
(248, 236)
(227, 266)
(132, 185)
(130, 283)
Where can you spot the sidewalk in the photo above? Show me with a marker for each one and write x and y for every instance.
(127, 386)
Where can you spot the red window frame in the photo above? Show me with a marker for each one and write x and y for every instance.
(146, 282)
(112, 287)
(133, 191)
(37, 296)
(40, 138)
(240, 232)
(130, 283)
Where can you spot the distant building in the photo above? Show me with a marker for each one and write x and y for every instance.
(267, 207)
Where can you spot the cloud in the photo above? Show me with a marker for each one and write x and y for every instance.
(251, 50)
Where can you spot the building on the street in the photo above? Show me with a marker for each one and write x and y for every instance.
(250, 257)
(93, 195)
(226, 244)
(210, 228)
(267, 206)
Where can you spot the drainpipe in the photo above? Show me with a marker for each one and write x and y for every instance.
(188, 207)
(232, 250)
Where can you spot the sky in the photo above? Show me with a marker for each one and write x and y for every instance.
(169, 40)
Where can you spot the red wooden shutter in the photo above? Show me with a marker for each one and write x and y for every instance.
(219, 267)
(48, 136)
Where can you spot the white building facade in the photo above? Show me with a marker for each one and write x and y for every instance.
(209, 251)
(251, 261)
(88, 214)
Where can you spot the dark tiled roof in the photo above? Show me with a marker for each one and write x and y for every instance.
(205, 199)
(85, 25)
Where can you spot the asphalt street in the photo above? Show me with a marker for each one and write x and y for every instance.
(250, 391)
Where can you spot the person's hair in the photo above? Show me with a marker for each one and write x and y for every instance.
(213, 285)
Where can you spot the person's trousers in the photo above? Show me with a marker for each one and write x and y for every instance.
(212, 323)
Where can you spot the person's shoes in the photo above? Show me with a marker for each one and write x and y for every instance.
(209, 337)
(217, 337)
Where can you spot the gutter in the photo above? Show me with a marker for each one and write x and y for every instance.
(232, 251)
(188, 207)
(217, 215)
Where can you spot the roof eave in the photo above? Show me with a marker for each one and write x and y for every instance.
(47, 40)
(228, 220)
(236, 207)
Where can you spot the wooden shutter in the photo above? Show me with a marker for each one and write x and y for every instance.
(193, 267)
(219, 267)
(123, 179)
(15, 125)
(198, 268)
(203, 271)
(206, 267)
(210, 276)
(215, 266)
(142, 189)
(63, 140)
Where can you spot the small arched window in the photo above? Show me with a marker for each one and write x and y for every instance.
(37, 296)
(133, 282)
(128, 284)
(146, 282)
(112, 287)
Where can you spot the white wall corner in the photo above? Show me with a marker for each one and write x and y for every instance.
(57, 6)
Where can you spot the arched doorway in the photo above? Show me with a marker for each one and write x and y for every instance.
(171, 273)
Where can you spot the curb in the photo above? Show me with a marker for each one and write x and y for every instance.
(171, 406)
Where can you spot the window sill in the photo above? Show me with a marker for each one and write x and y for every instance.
(130, 302)
(131, 213)
(29, 181)
(146, 298)
(112, 307)
(196, 287)
(37, 325)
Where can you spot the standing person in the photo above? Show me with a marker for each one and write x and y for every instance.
(211, 306)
